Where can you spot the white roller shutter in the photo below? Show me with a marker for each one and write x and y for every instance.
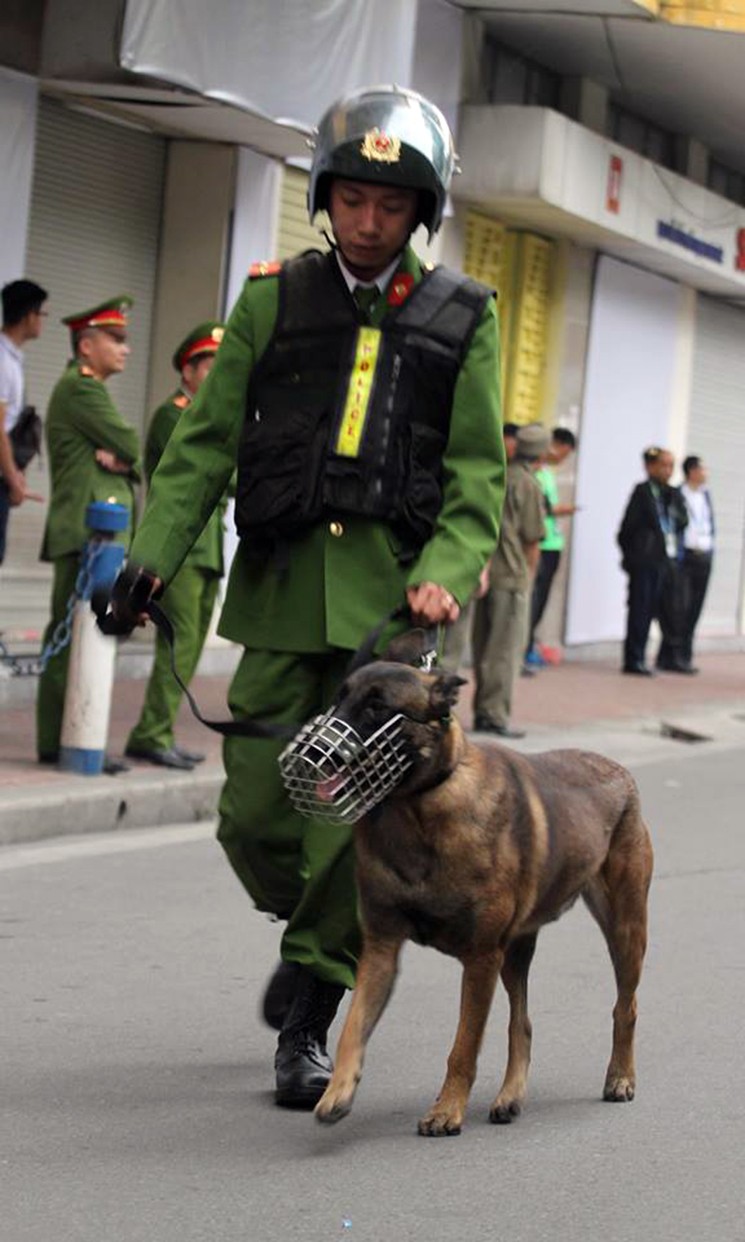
(716, 432)
(93, 233)
(295, 233)
(630, 376)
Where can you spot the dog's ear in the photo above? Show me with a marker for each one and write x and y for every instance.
(407, 648)
(444, 693)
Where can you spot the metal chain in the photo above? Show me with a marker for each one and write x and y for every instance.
(33, 666)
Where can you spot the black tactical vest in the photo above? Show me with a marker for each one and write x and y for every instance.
(343, 418)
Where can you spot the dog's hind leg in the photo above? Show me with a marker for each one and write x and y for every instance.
(376, 975)
(480, 974)
(517, 961)
(617, 898)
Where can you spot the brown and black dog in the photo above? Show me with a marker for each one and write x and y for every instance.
(472, 853)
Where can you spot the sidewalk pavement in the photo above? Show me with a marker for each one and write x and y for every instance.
(586, 704)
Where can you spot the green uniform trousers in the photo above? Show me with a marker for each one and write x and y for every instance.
(50, 698)
(500, 628)
(297, 868)
(188, 603)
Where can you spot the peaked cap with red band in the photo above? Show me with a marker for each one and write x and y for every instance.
(204, 339)
(111, 314)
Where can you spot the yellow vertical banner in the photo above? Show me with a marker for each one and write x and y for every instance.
(485, 259)
(706, 14)
(520, 267)
(531, 293)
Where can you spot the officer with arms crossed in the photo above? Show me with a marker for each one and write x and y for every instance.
(358, 392)
(93, 455)
(190, 598)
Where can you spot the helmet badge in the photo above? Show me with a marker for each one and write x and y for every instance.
(381, 147)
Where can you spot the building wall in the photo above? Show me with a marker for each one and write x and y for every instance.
(197, 205)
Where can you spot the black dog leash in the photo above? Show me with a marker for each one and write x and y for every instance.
(251, 726)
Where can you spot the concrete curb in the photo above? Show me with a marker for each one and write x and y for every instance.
(104, 804)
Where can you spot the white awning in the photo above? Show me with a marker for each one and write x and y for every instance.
(286, 62)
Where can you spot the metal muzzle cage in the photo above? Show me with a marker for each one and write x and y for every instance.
(330, 771)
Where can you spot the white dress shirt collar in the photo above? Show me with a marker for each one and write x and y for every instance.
(380, 281)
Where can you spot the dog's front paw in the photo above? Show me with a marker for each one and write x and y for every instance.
(334, 1104)
(441, 1121)
(502, 1112)
(619, 1089)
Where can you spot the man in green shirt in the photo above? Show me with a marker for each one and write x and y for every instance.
(93, 455)
(563, 444)
(190, 598)
(358, 392)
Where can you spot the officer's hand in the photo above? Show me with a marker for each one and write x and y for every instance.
(130, 594)
(431, 604)
(110, 462)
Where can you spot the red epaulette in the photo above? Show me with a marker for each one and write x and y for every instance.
(86, 371)
(264, 269)
(181, 401)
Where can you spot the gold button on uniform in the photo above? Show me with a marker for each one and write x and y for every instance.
(336, 529)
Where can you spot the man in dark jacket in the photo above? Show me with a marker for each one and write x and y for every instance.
(650, 539)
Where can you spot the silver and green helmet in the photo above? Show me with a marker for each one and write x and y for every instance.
(387, 136)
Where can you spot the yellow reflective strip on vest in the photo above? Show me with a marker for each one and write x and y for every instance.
(359, 392)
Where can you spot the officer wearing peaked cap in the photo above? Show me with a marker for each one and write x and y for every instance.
(93, 455)
(358, 393)
(190, 598)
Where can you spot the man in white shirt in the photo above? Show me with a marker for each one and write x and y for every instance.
(23, 316)
(698, 547)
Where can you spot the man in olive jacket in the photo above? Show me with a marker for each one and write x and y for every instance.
(359, 393)
(93, 455)
(190, 598)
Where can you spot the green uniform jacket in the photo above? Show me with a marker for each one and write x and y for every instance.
(80, 419)
(343, 575)
(207, 552)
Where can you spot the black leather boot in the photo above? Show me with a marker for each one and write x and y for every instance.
(302, 1064)
(280, 993)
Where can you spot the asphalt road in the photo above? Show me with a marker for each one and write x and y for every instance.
(136, 1077)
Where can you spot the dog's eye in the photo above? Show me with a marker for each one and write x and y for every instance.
(375, 706)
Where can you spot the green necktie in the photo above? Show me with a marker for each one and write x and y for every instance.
(366, 297)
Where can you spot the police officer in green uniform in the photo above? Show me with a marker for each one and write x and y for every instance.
(93, 455)
(190, 598)
(358, 392)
